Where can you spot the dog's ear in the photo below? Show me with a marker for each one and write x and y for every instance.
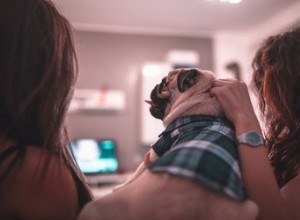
(186, 79)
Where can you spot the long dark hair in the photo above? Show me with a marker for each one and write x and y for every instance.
(277, 82)
(38, 69)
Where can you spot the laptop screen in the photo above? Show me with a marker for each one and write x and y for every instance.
(95, 156)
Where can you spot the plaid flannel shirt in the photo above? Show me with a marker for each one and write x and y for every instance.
(203, 148)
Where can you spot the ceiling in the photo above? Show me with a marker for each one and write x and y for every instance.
(177, 16)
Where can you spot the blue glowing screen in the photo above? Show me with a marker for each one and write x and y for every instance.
(95, 156)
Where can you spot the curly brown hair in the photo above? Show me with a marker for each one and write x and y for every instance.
(276, 79)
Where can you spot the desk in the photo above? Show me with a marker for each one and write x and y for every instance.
(102, 185)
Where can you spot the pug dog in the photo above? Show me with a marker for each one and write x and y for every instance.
(163, 191)
(182, 92)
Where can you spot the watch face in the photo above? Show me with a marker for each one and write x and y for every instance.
(251, 138)
(254, 138)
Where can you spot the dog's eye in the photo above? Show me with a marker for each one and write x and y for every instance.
(164, 82)
(162, 85)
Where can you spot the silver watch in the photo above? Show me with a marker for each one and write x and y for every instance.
(252, 138)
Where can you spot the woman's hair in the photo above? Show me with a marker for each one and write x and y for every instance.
(277, 82)
(38, 69)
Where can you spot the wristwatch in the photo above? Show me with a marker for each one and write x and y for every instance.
(251, 138)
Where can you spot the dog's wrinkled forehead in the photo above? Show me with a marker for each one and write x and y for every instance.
(180, 80)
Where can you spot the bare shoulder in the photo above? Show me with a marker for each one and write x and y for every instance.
(291, 194)
(89, 212)
(165, 197)
(116, 205)
(43, 187)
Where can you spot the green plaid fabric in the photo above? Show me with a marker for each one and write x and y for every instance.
(202, 148)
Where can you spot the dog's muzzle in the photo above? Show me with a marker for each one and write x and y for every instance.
(159, 104)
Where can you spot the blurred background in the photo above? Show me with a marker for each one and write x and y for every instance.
(126, 46)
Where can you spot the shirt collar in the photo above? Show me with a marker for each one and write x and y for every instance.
(201, 120)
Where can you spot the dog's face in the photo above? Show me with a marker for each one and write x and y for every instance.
(176, 83)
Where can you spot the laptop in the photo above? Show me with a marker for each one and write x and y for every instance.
(97, 160)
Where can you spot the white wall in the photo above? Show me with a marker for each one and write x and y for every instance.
(230, 47)
(241, 46)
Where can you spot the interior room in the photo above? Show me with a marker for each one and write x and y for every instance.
(124, 47)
